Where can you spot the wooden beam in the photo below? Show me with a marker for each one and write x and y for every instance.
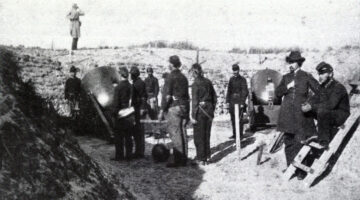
(102, 116)
(237, 129)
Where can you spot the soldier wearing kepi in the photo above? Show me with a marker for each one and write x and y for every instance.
(237, 93)
(123, 126)
(294, 89)
(331, 104)
(152, 90)
(203, 106)
(72, 91)
(177, 106)
(139, 97)
(74, 17)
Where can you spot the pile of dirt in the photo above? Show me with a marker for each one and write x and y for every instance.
(38, 159)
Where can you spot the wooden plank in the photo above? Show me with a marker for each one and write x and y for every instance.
(261, 150)
(315, 145)
(321, 165)
(304, 151)
(237, 129)
(303, 167)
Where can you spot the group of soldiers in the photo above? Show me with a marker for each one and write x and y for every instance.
(304, 99)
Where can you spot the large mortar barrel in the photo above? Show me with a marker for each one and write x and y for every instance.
(100, 82)
(263, 84)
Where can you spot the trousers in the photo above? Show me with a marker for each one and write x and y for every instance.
(138, 134)
(176, 128)
(123, 140)
(74, 43)
(202, 131)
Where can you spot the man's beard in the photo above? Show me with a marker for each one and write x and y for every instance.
(325, 81)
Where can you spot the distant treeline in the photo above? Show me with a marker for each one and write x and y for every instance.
(276, 50)
(184, 45)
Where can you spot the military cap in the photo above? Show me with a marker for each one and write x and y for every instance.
(294, 56)
(149, 69)
(124, 72)
(74, 69)
(175, 60)
(324, 67)
(235, 67)
(135, 71)
(196, 68)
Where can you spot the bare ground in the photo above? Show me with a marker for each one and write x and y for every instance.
(229, 176)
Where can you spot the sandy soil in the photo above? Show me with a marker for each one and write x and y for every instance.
(229, 176)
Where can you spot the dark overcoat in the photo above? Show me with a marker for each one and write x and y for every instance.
(291, 118)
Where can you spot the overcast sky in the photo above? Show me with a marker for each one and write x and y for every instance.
(214, 24)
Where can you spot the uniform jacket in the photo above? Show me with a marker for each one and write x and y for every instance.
(177, 90)
(237, 91)
(152, 86)
(74, 17)
(291, 118)
(203, 91)
(122, 95)
(139, 95)
(332, 96)
(72, 88)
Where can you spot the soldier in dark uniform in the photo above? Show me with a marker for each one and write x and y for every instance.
(72, 91)
(203, 106)
(237, 93)
(331, 104)
(294, 89)
(139, 97)
(177, 106)
(152, 90)
(123, 126)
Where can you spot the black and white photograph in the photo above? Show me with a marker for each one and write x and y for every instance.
(179, 100)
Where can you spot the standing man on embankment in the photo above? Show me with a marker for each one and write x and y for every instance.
(75, 23)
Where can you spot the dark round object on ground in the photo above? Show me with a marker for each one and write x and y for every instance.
(160, 153)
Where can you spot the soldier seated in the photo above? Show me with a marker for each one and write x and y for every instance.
(331, 104)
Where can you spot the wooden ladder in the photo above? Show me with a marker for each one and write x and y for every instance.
(320, 165)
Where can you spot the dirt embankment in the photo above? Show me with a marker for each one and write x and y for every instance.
(38, 159)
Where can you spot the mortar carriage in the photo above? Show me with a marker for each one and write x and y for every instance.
(264, 106)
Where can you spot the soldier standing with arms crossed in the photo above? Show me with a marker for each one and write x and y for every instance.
(177, 106)
(203, 106)
(74, 17)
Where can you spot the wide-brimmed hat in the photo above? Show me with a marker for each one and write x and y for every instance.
(75, 6)
(74, 69)
(324, 67)
(294, 56)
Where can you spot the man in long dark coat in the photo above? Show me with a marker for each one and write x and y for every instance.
(74, 17)
(139, 98)
(237, 93)
(294, 89)
(331, 104)
(123, 126)
(152, 90)
(177, 106)
(203, 106)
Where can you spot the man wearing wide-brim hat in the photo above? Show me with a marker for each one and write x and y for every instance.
(73, 90)
(294, 91)
(331, 104)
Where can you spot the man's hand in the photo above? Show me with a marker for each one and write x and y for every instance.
(142, 112)
(291, 85)
(227, 106)
(306, 107)
(193, 121)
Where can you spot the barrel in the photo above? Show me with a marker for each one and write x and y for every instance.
(101, 83)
